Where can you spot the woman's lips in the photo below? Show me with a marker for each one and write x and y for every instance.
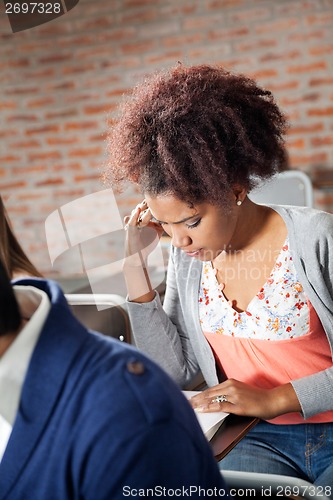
(194, 253)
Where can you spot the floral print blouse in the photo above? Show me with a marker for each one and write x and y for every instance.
(278, 311)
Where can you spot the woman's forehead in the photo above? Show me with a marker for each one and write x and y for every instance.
(168, 208)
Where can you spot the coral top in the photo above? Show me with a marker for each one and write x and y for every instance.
(277, 339)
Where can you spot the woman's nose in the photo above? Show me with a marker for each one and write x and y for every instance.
(179, 239)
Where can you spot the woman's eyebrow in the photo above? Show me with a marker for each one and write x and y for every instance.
(178, 222)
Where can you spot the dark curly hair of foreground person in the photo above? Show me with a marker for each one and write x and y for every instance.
(194, 132)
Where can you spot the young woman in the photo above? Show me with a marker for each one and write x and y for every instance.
(249, 296)
(15, 260)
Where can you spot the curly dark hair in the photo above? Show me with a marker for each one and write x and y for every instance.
(194, 132)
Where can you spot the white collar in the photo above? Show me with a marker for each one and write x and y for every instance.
(34, 305)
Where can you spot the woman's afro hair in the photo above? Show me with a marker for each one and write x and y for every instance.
(194, 132)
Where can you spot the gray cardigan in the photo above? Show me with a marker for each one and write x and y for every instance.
(172, 335)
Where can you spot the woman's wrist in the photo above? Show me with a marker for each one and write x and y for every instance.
(284, 400)
(148, 297)
(138, 284)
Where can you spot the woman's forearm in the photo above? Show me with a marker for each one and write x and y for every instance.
(138, 284)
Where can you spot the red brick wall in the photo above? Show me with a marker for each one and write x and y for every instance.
(61, 82)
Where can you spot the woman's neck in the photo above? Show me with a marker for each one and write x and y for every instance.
(253, 222)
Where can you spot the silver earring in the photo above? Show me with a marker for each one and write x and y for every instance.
(238, 203)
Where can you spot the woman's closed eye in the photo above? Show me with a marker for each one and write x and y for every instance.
(189, 226)
(194, 224)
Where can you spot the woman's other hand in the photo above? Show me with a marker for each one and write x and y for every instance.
(142, 235)
(233, 396)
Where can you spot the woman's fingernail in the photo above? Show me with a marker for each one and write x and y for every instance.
(200, 408)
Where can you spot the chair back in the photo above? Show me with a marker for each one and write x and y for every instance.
(104, 313)
(292, 187)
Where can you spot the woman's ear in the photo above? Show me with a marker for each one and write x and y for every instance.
(239, 193)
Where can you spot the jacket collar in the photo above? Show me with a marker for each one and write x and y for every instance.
(60, 340)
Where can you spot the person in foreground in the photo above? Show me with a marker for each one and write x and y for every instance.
(83, 416)
(249, 293)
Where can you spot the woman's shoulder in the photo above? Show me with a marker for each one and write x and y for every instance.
(305, 219)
